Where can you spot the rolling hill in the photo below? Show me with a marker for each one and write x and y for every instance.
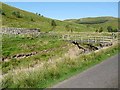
(97, 22)
(38, 61)
(14, 17)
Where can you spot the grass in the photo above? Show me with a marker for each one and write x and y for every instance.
(53, 73)
(26, 44)
(31, 20)
(13, 45)
(88, 61)
(18, 44)
(97, 22)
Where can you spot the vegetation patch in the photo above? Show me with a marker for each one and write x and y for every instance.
(94, 22)
(48, 63)
(53, 73)
(2, 12)
(17, 14)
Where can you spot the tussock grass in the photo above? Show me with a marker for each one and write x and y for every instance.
(13, 45)
(52, 73)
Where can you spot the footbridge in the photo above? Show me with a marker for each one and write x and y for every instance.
(91, 42)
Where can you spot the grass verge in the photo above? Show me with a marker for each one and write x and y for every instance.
(59, 71)
(88, 61)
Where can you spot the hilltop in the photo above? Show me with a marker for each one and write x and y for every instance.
(14, 17)
(97, 22)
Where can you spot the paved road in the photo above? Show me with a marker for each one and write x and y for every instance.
(103, 75)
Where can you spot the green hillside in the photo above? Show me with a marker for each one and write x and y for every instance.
(97, 22)
(44, 59)
(14, 17)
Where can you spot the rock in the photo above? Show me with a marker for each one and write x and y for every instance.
(11, 30)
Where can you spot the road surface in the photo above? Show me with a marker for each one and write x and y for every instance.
(103, 75)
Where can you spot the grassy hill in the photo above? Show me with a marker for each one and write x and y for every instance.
(30, 61)
(97, 22)
(14, 17)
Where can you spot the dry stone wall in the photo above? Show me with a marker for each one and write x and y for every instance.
(12, 30)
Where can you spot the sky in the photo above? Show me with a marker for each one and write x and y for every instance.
(59, 0)
(69, 10)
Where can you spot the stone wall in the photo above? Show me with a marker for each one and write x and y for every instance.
(11, 30)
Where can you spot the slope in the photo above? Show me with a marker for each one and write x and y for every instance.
(14, 17)
(97, 22)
